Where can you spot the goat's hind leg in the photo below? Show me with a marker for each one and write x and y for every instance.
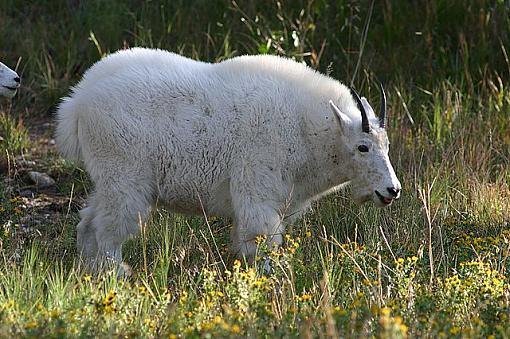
(118, 212)
(86, 242)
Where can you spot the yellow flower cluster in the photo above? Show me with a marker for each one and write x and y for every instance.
(260, 239)
(353, 246)
(480, 244)
(150, 324)
(183, 298)
(19, 208)
(304, 297)
(410, 260)
(391, 327)
(292, 244)
(241, 290)
(108, 303)
(340, 311)
(218, 323)
(31, 325)
(474, 280)
(8, 305)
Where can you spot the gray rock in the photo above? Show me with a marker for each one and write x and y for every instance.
(41, 180)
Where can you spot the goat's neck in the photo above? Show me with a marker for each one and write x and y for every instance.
(329, 164)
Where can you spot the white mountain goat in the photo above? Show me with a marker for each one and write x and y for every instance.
(255, 139)
(9, 81)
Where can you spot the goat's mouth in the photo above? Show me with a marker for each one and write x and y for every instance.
(11, 88)
(383, 199)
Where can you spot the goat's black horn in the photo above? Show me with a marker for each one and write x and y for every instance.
(365, 126)
(382, 117)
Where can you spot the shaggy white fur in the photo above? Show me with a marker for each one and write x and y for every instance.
(9, 81)
(253, 138)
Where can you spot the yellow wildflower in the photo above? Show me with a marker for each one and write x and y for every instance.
(235, 329)
(183, 298)
(260, 239)
(54, 313)
(306, 297)
(454, 330)
(151, 324)
(385, 311)
(31, 325)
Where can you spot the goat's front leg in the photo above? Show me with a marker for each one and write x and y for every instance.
(252, 222)
(258, 195)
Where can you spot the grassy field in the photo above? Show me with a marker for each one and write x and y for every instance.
(435, 264)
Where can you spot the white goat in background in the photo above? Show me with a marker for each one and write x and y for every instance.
(253, 138)
(9, 81)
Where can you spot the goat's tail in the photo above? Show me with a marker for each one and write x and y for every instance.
(67, 131)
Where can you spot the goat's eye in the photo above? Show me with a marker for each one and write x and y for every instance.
(363, 148)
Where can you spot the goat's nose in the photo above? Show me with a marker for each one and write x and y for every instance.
(394, 191)
(17, 79)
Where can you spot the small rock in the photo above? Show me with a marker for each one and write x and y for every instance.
(26, 193)
(41, 180)
(25, 163)
(8, 191)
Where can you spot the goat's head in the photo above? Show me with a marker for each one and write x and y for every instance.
(373, 176)
(9, 81)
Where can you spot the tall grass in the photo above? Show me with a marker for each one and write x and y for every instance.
(433, 264)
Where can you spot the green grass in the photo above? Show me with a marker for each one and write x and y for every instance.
(435, 264)
(14, 139)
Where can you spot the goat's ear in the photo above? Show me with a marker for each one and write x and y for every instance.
(343, 119)
(367, 107)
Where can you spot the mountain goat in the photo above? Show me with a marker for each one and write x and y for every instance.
(9, 81)
(255, 139)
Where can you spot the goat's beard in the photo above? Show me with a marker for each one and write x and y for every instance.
(361, 199)
(360, 194)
